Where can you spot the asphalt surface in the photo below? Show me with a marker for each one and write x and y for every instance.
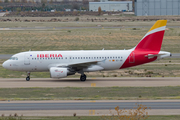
(90, 82)
(86, 105)
(7, 56)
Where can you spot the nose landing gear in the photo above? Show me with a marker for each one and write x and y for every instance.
(28, 76)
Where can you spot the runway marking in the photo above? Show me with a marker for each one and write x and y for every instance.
(92, 101)
(93, 84)
(91, 112)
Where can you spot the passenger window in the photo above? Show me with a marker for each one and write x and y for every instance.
(66, 58)
(86, 57)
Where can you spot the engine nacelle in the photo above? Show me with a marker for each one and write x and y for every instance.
(58, 72)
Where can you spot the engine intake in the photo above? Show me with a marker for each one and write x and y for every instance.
(58, 72)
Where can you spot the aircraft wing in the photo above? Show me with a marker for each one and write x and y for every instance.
(79, 65)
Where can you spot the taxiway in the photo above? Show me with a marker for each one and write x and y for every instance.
(90, 82)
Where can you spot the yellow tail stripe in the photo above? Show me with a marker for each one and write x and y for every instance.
(159, 23)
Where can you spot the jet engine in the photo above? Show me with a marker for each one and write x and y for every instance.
(58, 72)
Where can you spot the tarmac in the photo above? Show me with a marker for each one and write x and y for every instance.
(90, 82)
(87, 108)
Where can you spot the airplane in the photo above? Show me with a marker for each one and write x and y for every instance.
(61, 64)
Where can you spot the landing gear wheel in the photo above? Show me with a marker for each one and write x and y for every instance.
(28, 78)
(83, 77)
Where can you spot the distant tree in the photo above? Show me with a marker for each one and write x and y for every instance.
(99, 11)
(43, 4)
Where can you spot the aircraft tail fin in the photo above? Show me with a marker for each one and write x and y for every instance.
(152, 41)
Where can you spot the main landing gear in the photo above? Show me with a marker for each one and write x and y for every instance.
(28, 76)
(83, 77)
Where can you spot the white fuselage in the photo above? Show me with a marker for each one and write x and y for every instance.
(33, 61)
(41, 60)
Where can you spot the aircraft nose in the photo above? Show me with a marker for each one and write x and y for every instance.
(5, 65)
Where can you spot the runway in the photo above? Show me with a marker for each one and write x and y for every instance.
(86, 105)
(86, 108)
(90, 82)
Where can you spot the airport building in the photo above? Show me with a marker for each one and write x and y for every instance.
(157, 7)
(111, 5)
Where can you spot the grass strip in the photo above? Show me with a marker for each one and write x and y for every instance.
(90, 93)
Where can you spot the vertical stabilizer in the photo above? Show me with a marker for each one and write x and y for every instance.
(152, 41)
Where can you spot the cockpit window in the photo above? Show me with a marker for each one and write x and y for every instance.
(13, 58)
